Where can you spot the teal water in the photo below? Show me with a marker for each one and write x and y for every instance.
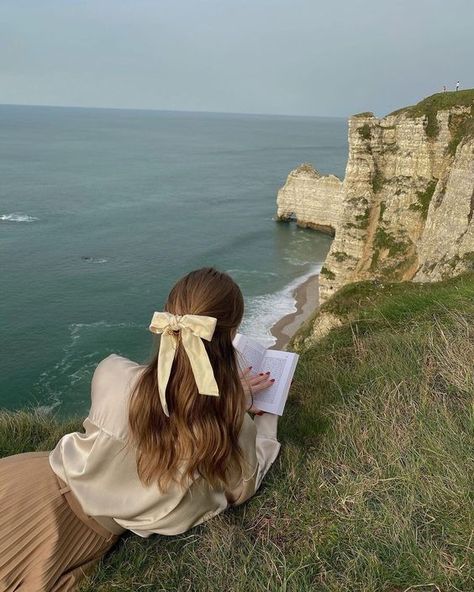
(101, 211)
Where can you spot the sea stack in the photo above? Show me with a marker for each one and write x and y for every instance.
(404, 209)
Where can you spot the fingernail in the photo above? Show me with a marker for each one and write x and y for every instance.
(267, 372)
(272, 380)
(250, 367)
(261, 374)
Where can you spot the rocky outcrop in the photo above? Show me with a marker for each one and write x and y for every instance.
(405, 208)
(311, 199)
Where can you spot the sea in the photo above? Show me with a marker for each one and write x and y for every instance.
(102, 210)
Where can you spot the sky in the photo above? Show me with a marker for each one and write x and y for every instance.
(294, 57)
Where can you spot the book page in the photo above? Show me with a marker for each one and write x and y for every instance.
(281, 366)
(276, 368)
(250, 352)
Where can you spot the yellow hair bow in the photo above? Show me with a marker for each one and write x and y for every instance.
(193, 329)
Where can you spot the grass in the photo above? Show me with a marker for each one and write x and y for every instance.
(383, 207)
(340, 256)
(430, 106)
(357, 201)
(327, 272)
(364, 114)
(424, 198)
(364, 131)
(377, 180)
(460, 126)
(384, 239)
(26, 430)
(362, 220)
(372, 489)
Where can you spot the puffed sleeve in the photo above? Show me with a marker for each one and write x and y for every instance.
(267, 448)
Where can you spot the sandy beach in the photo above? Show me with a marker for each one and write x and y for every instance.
(307, 300)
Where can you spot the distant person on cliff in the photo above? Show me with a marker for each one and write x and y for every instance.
(457, 85)
(444, 88)
(167, 445)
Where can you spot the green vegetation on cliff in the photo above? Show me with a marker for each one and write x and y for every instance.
(424, 198)
(371, 492)
(438, 102)
(364, 114)
(460, 126)
(394, 246)
(327, 272)
(430, 106)
(377, 180)
(364, 131)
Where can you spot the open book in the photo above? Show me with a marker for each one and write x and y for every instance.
(280, 364)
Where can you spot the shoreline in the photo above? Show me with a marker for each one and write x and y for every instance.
(306, 295)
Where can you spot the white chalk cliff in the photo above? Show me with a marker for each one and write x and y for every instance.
(404, 210)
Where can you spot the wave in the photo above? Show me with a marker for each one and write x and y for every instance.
(75, 329)
(73, 371)
(296, 262)
(262, 312)
(17, 217)
(94, 259)
(240, 273)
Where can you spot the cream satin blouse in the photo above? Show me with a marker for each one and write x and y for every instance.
(102, 473)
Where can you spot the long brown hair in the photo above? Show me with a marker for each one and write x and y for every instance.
(200, 436)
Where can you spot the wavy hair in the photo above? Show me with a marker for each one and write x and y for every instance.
(200, 437)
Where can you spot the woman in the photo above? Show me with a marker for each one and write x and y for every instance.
(166, 446)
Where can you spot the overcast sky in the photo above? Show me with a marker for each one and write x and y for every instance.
(302, 57)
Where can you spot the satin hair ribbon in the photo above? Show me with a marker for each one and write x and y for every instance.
(192, 328)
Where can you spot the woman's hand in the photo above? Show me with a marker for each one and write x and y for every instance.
(254, 383)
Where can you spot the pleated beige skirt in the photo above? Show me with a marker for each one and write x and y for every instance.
(45, 546)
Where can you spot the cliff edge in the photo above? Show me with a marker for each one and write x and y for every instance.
(404, 209)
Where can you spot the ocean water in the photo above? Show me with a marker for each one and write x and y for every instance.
(101, 211)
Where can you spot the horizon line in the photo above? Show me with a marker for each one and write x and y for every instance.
(173, 110)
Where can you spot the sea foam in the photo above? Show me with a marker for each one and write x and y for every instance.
(94, 259)
(17, 217)
(262, 312)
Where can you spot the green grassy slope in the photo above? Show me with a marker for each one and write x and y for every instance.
(438, 102)
(372, 491)
(460, 126)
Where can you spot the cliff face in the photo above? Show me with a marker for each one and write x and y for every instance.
(404, 210)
